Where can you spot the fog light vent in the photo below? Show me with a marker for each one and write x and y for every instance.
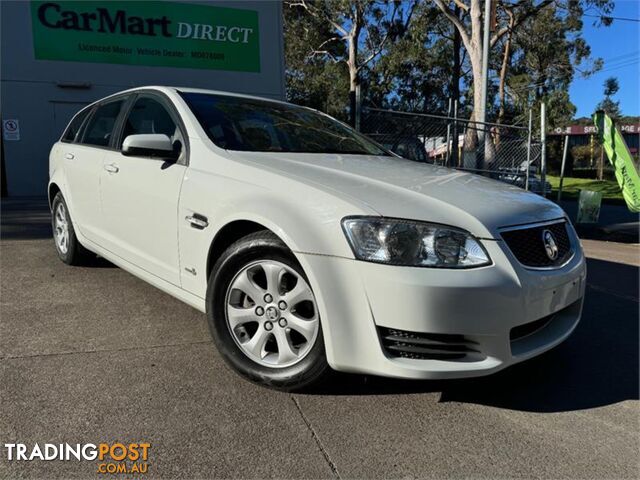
(425, 346)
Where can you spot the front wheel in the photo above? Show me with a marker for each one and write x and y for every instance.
(263, 314)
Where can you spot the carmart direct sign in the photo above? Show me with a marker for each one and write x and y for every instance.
(147, 33)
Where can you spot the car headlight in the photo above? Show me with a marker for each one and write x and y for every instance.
(410, 243)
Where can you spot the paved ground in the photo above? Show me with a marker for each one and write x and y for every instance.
(94, 354)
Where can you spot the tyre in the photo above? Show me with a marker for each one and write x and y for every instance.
(67, 245)
(263, 315)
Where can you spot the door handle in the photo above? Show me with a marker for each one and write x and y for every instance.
(197, 221)
(69, 156)
(111, 168)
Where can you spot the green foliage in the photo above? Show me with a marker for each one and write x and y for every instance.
(413, 71)
(313, 80)
(549, 52)
(608, 105)
(586, 156)
(414, 74)
(611, 86)
(338, 42)
(560, 110)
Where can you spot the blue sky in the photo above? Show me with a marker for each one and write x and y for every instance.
(618, 45)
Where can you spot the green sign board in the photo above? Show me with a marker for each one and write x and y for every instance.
(147, 33)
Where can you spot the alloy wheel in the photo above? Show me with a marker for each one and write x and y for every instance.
(272, 314)
(61, 228)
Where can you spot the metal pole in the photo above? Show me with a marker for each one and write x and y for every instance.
(543, 148)
(564, 160)
(358, 108)
(482, 114)
(454, 141)
(601, 164)
(446, 164)
(526, 179)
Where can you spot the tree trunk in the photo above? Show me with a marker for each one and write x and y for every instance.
(352, 63)
(503, 79)
(601, 165)
(470, 144)
(473, 44)
(478, 131)
(472, 39)
(455, 88)
(353, 84)
(475, 57)
(506, 57)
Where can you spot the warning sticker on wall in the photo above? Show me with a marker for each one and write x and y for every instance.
(11, 130)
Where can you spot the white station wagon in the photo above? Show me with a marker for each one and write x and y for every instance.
(310, 247)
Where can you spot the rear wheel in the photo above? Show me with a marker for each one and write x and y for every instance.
(67, 245)
(263, 314)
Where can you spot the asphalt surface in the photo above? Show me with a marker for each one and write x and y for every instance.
(92, 354)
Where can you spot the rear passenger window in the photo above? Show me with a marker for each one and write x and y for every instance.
(74, 127)
(100, 126)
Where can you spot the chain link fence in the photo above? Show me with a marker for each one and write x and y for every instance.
(508, 152)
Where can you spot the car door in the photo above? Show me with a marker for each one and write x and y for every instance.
(140, 193)
(83, 147)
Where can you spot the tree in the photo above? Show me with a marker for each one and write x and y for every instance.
(612, 109)
(363, 27)
(549, 51)
(609, 106)
(584, 155)
(414, 74)
(311, 80)
(471, 31)
(402, 56)
(510, 19)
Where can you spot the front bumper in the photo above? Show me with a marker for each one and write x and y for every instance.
(360, 302)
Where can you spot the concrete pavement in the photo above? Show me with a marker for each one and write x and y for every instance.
(92, 354)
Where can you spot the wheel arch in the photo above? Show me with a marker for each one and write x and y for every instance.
(235, 228)
(228, 234)
(53, 190)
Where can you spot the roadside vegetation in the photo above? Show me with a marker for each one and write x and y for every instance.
(571, 188)
(416, 55)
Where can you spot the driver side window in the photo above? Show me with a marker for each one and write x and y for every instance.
(148, 115)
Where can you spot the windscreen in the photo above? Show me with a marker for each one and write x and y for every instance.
(251, 125)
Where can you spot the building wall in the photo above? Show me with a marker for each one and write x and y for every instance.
(43, 94)
(631, 139)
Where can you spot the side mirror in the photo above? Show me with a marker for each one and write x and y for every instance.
(150, 145)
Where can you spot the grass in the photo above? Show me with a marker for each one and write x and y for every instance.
(571, 187)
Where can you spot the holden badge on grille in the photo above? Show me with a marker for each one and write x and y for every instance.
(550, 245)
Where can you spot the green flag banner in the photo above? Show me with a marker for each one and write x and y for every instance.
(620, 157)
(147, 33)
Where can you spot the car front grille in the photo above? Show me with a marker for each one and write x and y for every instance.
(528, 246)
(425, 346)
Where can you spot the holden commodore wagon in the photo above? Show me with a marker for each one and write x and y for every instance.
(309, 246)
